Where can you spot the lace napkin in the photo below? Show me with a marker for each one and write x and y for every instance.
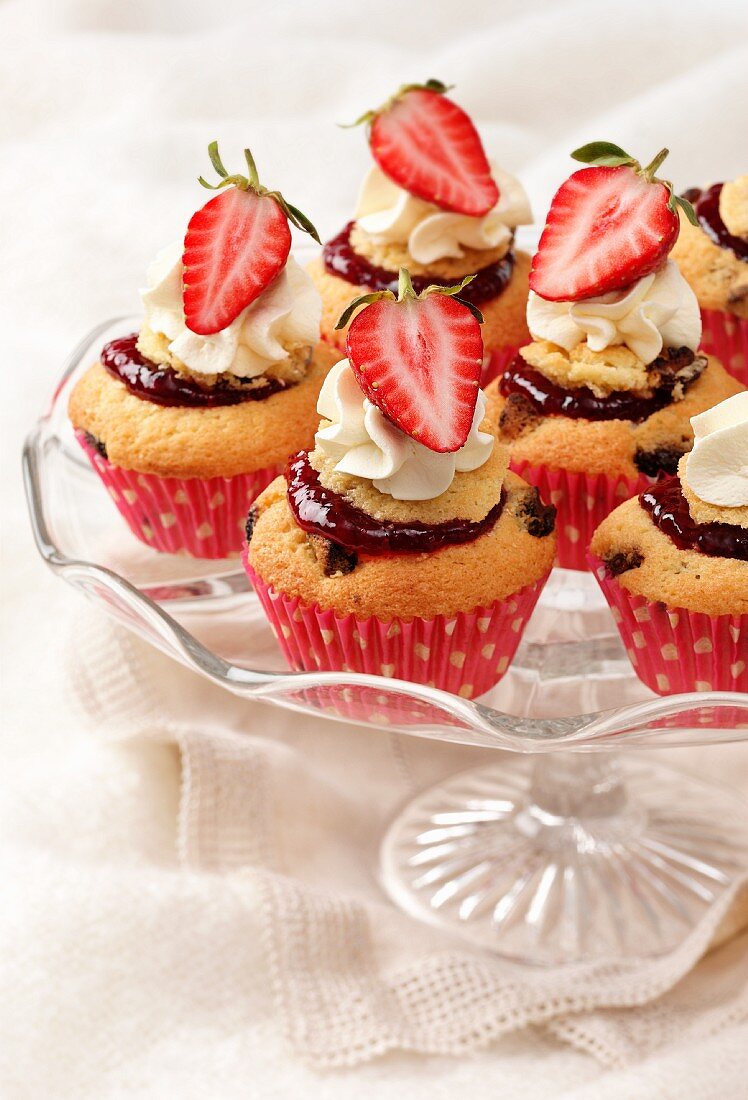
(296, 806)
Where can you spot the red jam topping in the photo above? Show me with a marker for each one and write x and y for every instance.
(322, 512)
(706, 205)
(581, 402)
(165, 386)
(669, 511)
(342, 260)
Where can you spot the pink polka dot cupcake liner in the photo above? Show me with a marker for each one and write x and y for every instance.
(674, 650)
(496, 363)
(382, 705)
(726, 337)
(582, 502)
(465, 654)
(204, 518)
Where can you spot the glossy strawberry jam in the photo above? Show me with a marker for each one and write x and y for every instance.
(165, 386)
(580, 402)
(322, 512)
(669, 511)
(341, 259)
(706, 205)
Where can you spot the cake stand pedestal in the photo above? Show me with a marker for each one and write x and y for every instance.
(566, 857)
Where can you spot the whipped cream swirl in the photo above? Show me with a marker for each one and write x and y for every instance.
(390, 215)
(717, 467)
(659, 310)
(285, 316)
(363, 442)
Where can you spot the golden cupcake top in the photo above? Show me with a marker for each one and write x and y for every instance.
(713, 253)
(733, 207)
(684, 541)
(405, 461)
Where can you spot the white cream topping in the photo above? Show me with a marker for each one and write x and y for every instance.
(286, 315)
(390, 215)
(717, 467)
(363, 442)
(657, 311)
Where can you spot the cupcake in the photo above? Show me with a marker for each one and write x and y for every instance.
(187, 420)
(434, 204)
(713, 256)
(673, 563)
(401, 545)
(599, 403)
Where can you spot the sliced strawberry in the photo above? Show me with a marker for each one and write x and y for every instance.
(419, 361)
(234, 248)
(428, 146)
(608, 226)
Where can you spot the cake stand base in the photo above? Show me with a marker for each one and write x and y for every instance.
(566, 857)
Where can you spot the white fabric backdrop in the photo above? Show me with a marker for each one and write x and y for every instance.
(107, 111)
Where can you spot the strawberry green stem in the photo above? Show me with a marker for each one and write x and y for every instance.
(405, 292)
(650, 171)
(215, 159)
(405, 286)
(254, 178)
(251, 182)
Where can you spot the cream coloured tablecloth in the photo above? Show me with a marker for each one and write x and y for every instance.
(125, 971)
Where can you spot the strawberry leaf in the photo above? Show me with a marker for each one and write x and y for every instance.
(215, 159)
(687, 209)
(674, 201)
(254, 178)
(362, 300)
(301, 221)
(604, 153)
(472, 307)
(366, 117)
(431, 85)
(454, 292)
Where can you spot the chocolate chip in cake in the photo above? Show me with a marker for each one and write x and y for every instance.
(517, 417)
(623, 561)
(251, 521)
(663, 459)
(538, 518)
(334, 560)
(676, 369)
(97, 445)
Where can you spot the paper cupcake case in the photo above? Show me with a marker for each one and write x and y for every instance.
(204, 518)
(674, 650)
(465, 654)
(496, 363)
(726, 337)
(358, 703)
(582, 502)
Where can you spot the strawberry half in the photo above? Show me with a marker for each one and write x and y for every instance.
(608, 226)
(429, 146)
(418, 358)
(234, 247)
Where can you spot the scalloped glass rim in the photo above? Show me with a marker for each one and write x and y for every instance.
(57, 478)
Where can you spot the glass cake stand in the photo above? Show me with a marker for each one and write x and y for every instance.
(570, 849)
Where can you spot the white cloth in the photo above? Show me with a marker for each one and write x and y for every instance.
(125, 973)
